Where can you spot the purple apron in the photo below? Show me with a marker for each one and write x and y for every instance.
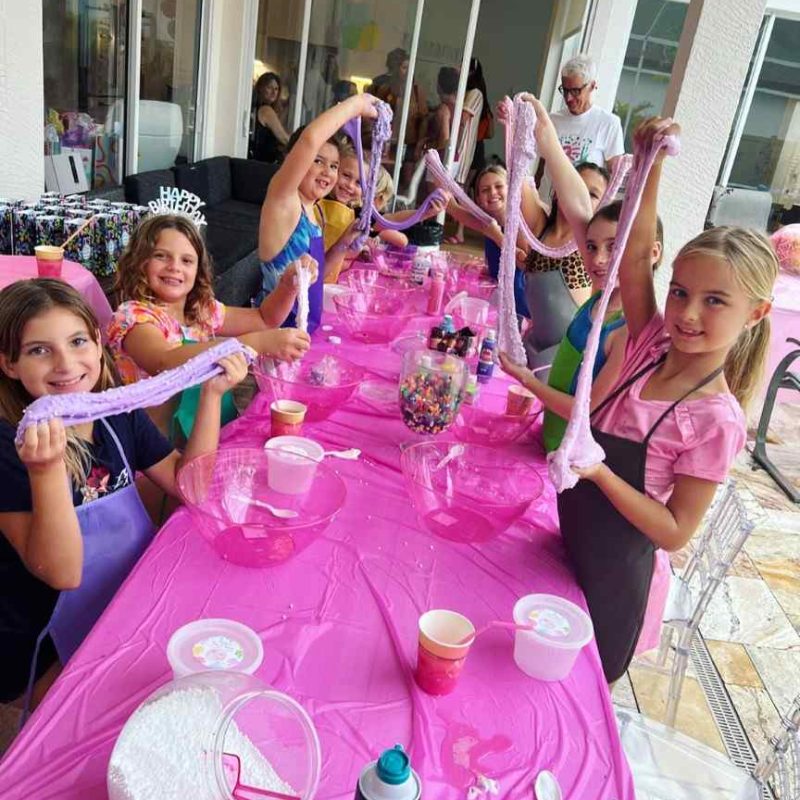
(316, 249)
(116, 530)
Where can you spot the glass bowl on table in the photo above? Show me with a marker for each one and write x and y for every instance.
(239, 502)
(377, 315)
(215, 735)
(321, 382)
(465, 492)
(492, 428)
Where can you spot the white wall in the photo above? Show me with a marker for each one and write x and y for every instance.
(21, 100)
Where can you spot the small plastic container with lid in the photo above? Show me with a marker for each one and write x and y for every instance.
(214, 644)
(560, 631)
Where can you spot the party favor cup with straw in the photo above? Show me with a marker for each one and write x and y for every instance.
(445, 638)
(49, 260)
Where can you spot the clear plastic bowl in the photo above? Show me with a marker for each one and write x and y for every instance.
(361, 280)
(377, 315)
(222, 491)
(192, 735)
(480, 426)
(431, 389)
(465, 492)
(561, 629)
(321, 382)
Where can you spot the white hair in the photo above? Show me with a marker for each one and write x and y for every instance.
(581, 66)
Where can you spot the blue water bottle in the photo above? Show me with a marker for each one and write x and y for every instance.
(389, 778)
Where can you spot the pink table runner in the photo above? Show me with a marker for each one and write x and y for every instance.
(338, 624)
(17, 268)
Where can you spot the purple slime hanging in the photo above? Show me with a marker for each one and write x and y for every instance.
(578, 447)
(381, 133)
(80, 407)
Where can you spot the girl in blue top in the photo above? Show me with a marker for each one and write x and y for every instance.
(287, 229)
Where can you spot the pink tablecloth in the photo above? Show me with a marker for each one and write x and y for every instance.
(17, 268)
(338, 624)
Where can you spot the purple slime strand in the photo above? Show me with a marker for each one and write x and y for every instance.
(353, 129)
(523, 152)
(578, 447)
(80, 407)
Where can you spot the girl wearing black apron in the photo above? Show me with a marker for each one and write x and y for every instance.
(613, 560)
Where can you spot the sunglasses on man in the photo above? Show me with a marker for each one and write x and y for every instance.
(566, 92)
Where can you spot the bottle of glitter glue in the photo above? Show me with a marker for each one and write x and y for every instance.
(389, 778)
(486, 358)
(436, 293)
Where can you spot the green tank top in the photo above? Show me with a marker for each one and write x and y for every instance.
(568, 360)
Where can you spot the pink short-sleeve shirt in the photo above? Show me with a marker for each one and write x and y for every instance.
(699, 437)
(137, 312)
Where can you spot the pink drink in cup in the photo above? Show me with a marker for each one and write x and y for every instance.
(444, 641)
(49, 260)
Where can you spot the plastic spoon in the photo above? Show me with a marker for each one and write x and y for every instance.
(497, 623)
(349, 455)
(280, 513)
(547, 786)
(232, 767)
(454, 452)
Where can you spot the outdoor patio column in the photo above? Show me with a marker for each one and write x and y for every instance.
(710, 69)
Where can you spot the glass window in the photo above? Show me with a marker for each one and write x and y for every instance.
(768, 154)
(84, 84)
(649, 59)
(279, 30)
(168, 83)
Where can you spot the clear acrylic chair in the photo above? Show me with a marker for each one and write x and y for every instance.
(668, 765)
(726, 530)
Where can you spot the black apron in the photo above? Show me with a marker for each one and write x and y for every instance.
(613, 560)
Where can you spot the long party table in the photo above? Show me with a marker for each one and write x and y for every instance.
(339, 627)
(17, 268)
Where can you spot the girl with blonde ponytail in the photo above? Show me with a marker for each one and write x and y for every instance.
(673, 422)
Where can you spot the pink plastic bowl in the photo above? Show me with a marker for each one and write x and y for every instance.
(377, 315)
(474, 495)
(321, 382)
(394, 265)
(479, 426)
(217, 487)
(362, 280)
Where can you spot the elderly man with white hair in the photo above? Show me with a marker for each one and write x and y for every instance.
(586, 132)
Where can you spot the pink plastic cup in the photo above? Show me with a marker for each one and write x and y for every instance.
(444, 641)
(49, 260)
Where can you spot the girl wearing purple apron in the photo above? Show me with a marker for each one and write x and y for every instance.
(72, 521)
(308, 173)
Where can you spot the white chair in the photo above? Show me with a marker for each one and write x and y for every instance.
(667, 765)
(726, 530)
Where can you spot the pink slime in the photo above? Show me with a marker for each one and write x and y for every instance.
(80, 407)
(578, 447)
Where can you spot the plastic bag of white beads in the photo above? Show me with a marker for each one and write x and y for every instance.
(201, 736)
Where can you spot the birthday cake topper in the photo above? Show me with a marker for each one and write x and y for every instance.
(173, 200)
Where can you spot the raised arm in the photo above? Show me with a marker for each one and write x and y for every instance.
(636, 269)
(573, 195)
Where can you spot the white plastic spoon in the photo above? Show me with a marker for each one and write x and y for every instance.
(547, 786)
(349, 455)
(280, 513)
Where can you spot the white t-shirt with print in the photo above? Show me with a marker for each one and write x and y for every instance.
(595, 135)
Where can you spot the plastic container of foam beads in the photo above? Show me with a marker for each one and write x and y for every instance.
(214, 736)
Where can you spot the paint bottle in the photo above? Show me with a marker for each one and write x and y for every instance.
(389, 778)
(448, 326)
(419, 269)
(486, 358)
(471, 390)
(436, 293)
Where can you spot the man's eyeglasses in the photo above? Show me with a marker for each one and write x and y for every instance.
(566, 92)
